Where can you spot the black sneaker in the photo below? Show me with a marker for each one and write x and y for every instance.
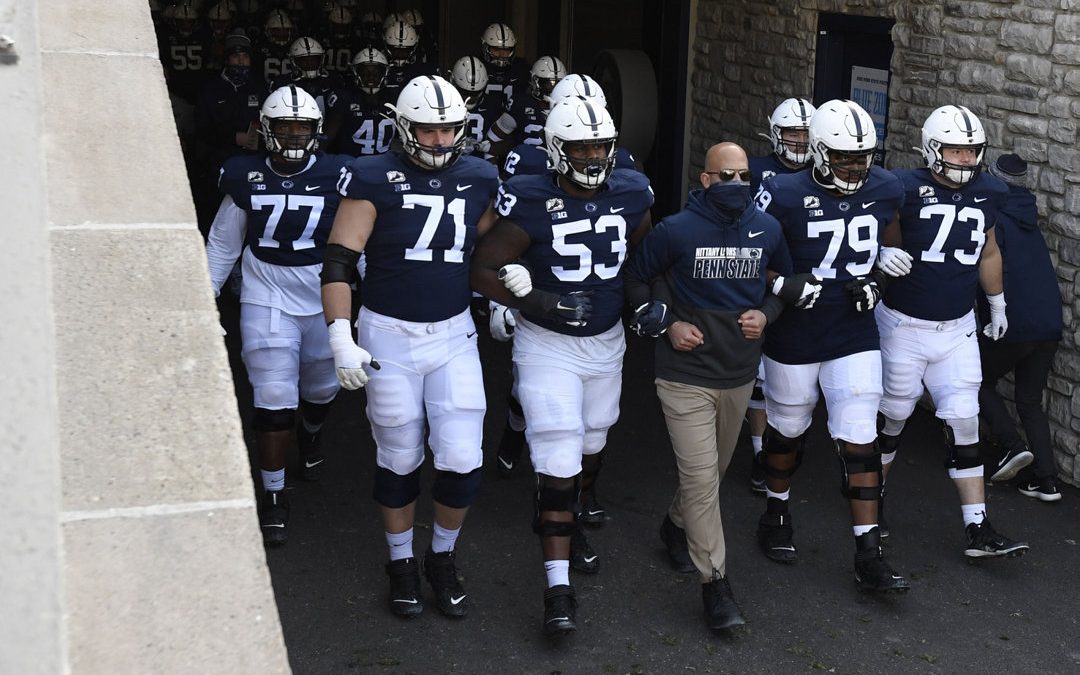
(757, 475)
(678, 551)
(582, 557)
(721, 611)
(872, 573)
(510, 446)
(1011, 463)
(1043, 489)
(273, 516)
(592, 512)
(441, 573)
(311, 457)
(405, 587)
(774, 535)
(985, 542)
(560, 610)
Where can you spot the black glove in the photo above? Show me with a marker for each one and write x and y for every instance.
(864, 293)
(800, 290)
(650, 319)
(574, 309)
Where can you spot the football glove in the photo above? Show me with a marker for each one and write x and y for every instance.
(800, 290)
(501, 321)
(896, 262)
(349, 358)
(999, 323)
(517, 279)
(864, 293)
(650, 319)
(574, 309)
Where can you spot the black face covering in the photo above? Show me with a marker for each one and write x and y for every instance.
(729, 199)
(237, 74)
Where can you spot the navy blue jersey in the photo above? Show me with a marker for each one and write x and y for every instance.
(398, 76)
(339, 55)
(320, 88)
(501, 80)
(836, 238)
(578, 244)
(186, 60)
(766, 167)
(528, 113)
(480, 119)
(425, 231)
(274, 59)
(363, 125)
(531, 160)
(288, 217)
(944, 230)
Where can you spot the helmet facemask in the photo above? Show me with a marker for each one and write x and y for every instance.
(581, 165)
(846, 172)
(432, 156)
(370, 76)
(792, 150)
(960, 174)
(293, 139)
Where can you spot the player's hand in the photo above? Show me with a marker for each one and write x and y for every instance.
(864, 293)
(752, 322)
(650, 319)
(685, 336)
(999, 322)
(896, 262)
(800, 290)
(501, 321)
(349, 358)
(574, 309)
(517, 279)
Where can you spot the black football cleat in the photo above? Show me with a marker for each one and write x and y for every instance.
(405, 587)
(560, 610)
(273, 517)
(774, 535)
(985, 542)
(441, 573)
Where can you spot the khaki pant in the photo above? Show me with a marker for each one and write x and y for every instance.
(704, 426)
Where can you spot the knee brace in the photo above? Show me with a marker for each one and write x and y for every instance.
(555, 494)
(314, 414)
(456, 490)
(774, 443)
(757, 398)
(273, 420)
(856, 463)
(961, 457)
(887, 447)
(395, 491)
(590, 470)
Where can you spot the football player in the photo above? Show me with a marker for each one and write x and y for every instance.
(402, 44)
(356, 120)
(416, 215)
(276, 215)
(833, 216)
(274, 50)
(523, 119)
(926, 320)
(470, 76)
(497, 45)
(307, 69)
(572, 227)
(185, 54)
(338, 39)
(788, 129)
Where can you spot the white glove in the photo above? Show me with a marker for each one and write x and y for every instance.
(501, 321)
(517, 279)
(896, 262)
(349, 359)
(998, 321)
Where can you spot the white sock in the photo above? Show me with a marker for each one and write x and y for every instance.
(756, 442)
(785, 495)
(862, 529)
(973, 513)
(400, 544)
(558, 572)
(273, 480)
(443, 540)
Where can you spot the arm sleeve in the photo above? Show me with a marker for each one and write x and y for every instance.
(226, 242)
(650, 260)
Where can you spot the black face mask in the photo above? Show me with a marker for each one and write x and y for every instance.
(237, 74)
(729, 199)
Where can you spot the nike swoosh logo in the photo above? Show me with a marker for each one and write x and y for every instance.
(979, 200)
(971, 333)
(755, 234)
(273, 525)
(317, 462)
(867, 205)
(309, 188)
(558, 618)
(783, 548)
(590, 559)
(617, 210)
(593, 513)
(469, 335)
(457, 601)
(409, 602)
(461, 188)
(506, 465)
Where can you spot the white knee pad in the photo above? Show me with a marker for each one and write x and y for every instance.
(555, 452)
(397, 423)
(965, 431)
(854, 419)
(460, 460)
(276, 395)
(594, 441)
(318, 381)
(790, 420)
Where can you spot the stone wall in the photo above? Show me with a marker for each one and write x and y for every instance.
(1015, 63)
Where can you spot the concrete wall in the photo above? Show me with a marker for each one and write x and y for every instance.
(133, 506)
(1013, 62)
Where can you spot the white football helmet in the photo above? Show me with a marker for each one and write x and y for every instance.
(185, 19)
(792, 113)
(391, 19)
(498, 36)
(401, 40)
(291, 103)
(219, 18)
(842, 143)
(543, 77)
(470, 76)
(369, 69)
(575, 120)
(581, 86)
(306, 55)
(278, 28)
(953, 126)
(413, 17)
(430, 101)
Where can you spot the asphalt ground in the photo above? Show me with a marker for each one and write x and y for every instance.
(637, 616)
